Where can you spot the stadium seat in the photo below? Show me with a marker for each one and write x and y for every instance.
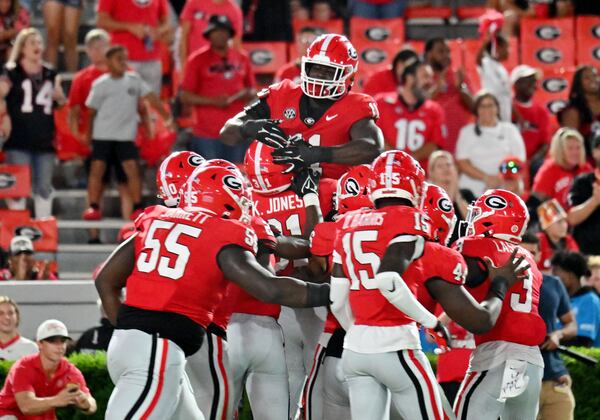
(428, 13)
(587, 38)
(15, 181)
(266, 57)
(43, 232)
(373, 56)
(547, 43)
(333, 26)
(67, 146)
(554, 88)
(470, 12)
(377, 30)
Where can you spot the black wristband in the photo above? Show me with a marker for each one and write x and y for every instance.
(317, 294)
(244, 131)
(498, 287)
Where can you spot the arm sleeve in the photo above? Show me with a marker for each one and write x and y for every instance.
(340, 304)
(94, 99)
(22, 378)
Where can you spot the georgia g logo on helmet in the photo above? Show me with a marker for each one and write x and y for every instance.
(195, 160)
(232, 182)
(352, 187)
(496, 202)
(444, 205)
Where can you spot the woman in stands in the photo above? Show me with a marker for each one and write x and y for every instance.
(13, 18)
(31, 90)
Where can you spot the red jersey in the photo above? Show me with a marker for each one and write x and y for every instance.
(534, 124)
(80, 89)
(242, 301)
(210, 74)
(27, 374)
(197, 13)
(554, 181)
(332, 129)
(147, 12)
(361, 243)
(171, 249)
(380, 81)
(519, 321)
(410, 129)
(548, 249)
(285, 213)
(290, 71)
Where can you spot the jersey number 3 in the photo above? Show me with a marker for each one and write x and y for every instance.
(150, 258)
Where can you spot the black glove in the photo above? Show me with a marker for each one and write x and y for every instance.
(299, 154)
(265, 131)
(442, 337)
(306, 182)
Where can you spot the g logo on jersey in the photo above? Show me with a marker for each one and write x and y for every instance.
(352, 187)
(232, 182)
(195, 160)
(496, 202)
(444, 205)
(31, 232)
(7, 180)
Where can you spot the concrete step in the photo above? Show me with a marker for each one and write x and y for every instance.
(75, 275)
(82, 258)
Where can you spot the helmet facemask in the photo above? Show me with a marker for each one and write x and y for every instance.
(334, 87)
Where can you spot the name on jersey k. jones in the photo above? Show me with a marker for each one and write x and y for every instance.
(287, 202)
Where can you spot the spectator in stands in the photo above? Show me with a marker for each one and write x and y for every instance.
(594, 278)
(483, 145)
(22, 264)
(583, 110)
(218, 82)
(298, 10)
(377, 9)
(113, 107)
(267, 20)
(452, 89)
(39, 383)
(12, 345)
(322, 11)
(96, 338)
(443, 172)
(13, 18)
(554, 236)
(513, 11)
(556, 398)
(61, 20)
(513, 176)
(571, 267)
(493, 75)
(138, 26)
(291, 70)
(194, 20)
(584, 198)
(532, 118)
(566, 161)
(31, 90)
(388, 78)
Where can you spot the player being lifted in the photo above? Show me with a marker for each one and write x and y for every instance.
(337, 125)
(167, 310)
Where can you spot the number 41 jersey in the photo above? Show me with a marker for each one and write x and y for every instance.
(176, 266)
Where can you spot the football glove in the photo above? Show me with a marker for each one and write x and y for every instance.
(299, 154)
(306, 182)
(441, 336)
(265, 131)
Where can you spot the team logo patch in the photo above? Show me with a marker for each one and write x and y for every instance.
(232, 182)
(554, 84)
(547, 32)
(309, 121)
(7, 180)
(444, 205)
(548, 55)
(496, 202)
(195, 160)
(377, 33)
(261, 57)
(352, 187)
(289, 113)
(352, 53)
(373, 55)
(31, 232)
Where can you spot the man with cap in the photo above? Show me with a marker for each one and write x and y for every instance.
(39, 383)
(22, 265)
(532, 118)
(584, 198)
(554, 235)
(218, 81)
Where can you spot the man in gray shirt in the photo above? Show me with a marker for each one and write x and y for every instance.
(114, 104)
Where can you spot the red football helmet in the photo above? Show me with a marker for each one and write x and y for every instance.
(498, 213)
(217, 190)
(354, 189)
(220, 162)
(397, 175)
(265, 176)
(172, 174)
(328, 67)
(438, 206)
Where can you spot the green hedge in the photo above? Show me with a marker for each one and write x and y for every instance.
(586, 384)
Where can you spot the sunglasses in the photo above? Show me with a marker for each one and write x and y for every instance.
(510, 167)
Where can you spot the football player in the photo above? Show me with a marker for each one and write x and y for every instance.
(337, 126)
(167, 311)
(173, 172)
(506, 367)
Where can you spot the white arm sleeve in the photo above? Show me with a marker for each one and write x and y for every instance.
(398, 294)
(340, 305)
